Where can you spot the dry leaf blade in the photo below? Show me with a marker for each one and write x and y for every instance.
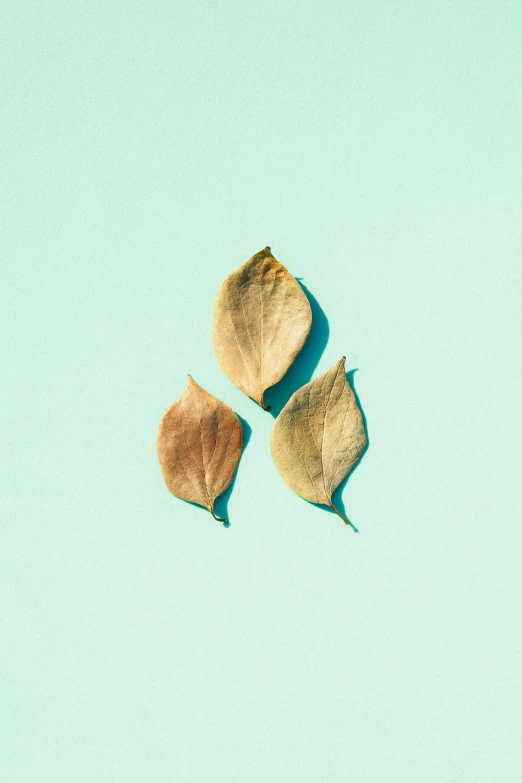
(199, 444)
(262, 318)
(319, 436)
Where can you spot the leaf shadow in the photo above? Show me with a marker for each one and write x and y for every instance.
(307, 359)
(337, 495)
(221, 503)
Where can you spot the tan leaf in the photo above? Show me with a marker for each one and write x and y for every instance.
(200, 440)
(261, 321)
(319, 436)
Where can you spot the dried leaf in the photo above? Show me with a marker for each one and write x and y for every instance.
(319, 436)
(199, 444)
(261, 321)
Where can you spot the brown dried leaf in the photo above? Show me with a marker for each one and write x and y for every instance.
(261, 321)
(319, 436)
(200, 440)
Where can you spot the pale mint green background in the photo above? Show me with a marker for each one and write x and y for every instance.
(147, 151)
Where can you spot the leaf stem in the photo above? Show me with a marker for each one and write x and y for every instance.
(345, 519)
(218, 519)
(265, 407)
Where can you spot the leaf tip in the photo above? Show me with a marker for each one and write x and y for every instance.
(191, 383)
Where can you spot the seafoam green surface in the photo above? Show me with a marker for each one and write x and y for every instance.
(148, 149)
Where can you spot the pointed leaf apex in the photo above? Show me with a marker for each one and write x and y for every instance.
(192, 384)
(266, 252)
